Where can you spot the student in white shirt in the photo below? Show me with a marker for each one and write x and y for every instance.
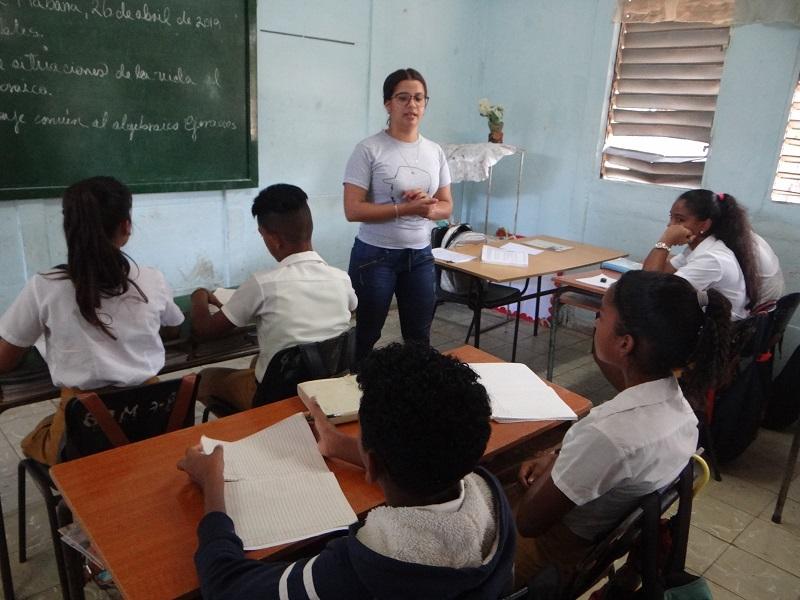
(720, 252)
(302, 299)
(650, 325)
(771, 285)
(100, 316)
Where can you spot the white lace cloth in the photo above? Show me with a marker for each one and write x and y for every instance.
(471, 162)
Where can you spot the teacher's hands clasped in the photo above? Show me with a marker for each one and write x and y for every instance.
(418, 202)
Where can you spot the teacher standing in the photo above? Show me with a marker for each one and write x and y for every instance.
(395, 184)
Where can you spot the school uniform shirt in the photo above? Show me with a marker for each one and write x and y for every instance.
(386, 168)
(770, 277)
(713, 265)
(81, 355)
(301, 300)
(461, 549)
(632, 445)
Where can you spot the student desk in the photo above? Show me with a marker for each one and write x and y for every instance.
(141, 513)
(30, 382)
(576, 293)
(544, 263)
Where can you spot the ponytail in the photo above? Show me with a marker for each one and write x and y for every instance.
(93, 211)
(730, 224)
(707, 364)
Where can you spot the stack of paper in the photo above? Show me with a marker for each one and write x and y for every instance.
(545, 245)
(517, 394)
(338, 397)
(278, 488)
(506, 258)
(450, 256)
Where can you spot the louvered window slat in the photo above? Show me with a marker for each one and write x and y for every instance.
(786, 187)
(667, 78)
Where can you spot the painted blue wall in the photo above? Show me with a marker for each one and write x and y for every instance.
(547, 61)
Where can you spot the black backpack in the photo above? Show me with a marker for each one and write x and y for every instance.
(783, 403)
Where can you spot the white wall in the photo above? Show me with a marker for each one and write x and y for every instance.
(547, 61)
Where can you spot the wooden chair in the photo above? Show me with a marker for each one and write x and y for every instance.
(96, 422)
(304, 362)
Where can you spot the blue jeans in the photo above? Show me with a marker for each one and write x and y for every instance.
(377, 274)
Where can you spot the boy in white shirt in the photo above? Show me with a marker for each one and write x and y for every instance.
(302, 299)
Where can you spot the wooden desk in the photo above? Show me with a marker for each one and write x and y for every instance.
(141, 513)
(544, 263)
(30, 382)
(576, 293)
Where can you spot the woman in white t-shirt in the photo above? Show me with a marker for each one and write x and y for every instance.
(650, 326)
(100, 316)
(720, 251)
(396, 184)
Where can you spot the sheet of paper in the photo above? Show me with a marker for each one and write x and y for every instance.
(268, 512)
(603, 281)
(495, 256)
(283, 449)
(515, 247)
(450, 256)
(546, 245)
(223, 295)
(278, 488)
(518, 394)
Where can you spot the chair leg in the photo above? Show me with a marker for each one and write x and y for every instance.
(206, 412)
(516, 335)
(21, 520)
(52, 506)
(5, 565)
(787, 476)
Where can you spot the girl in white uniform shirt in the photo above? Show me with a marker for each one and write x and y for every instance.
(649, 326)
(720, 251)
(100, 315)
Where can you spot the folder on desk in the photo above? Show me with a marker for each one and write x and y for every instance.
(338, 397)
(278, 488)
(506, 258)
(518, 394)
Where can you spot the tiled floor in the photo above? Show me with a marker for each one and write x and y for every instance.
(733, 542)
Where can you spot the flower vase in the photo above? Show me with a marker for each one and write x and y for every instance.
(496, 132)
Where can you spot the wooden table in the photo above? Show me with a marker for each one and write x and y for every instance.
(141, 513)
(573, 292)
(544, 263)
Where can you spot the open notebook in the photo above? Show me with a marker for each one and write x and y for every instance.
(278, 488)
(518, 394)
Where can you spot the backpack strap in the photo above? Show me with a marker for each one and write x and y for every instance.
(182, 401)
(105, 421)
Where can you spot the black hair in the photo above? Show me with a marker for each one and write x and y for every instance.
(672, 331)
(93, 211)
(390, 83)
(424, 415)
(283, 209)
(730, 224)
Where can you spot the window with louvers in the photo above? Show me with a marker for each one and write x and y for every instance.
(786, 187)
(662, 102)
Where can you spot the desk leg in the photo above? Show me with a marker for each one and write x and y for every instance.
(787, 476)
(5, 566)
(477, 315)
(538, 296)
(551, 350)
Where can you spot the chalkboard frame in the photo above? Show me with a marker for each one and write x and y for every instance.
(250, 181)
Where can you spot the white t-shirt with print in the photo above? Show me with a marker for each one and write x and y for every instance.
(80, 354)
(632, 445)
(387, 167)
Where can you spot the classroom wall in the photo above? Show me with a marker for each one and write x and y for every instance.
(547, 61)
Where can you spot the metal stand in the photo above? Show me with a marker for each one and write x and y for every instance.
(521, 153)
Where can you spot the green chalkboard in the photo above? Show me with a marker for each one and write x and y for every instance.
(158, 93)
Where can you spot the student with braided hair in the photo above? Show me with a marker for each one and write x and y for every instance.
(720, 250)
(651, 327)
(101, 315)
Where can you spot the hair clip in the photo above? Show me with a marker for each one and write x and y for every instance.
(721, 197)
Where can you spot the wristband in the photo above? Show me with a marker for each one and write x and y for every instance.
(662, 246)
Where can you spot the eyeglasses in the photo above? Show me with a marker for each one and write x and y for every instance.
(405, 98)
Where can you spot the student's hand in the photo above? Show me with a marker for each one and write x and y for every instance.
(677, 235)
(203, 469)
(532, 469)
(418, 202)
(323, 429)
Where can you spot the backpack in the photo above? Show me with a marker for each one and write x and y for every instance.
(783, 402)
(451, 237)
